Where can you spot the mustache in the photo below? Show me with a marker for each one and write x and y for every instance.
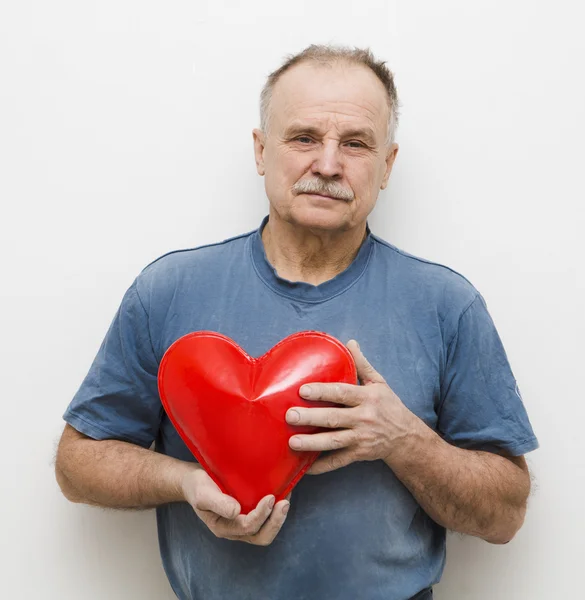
(324, 188)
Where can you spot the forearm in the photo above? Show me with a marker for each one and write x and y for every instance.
(477, 493)
(117, 474)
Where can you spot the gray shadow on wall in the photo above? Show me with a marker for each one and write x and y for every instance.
(115, 553)
(474, 566)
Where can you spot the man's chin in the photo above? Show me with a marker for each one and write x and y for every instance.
(326, 219)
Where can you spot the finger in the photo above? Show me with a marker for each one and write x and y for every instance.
(340, 393)
(332, 462)
(333, 418)
(319, 442)
(273, 525)
(365, 371)
(215, 501)
(250, 524)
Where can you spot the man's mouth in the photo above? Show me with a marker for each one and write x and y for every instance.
(327, 197)
(322, 195)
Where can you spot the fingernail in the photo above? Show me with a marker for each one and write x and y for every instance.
(271, 503)
(295, 443)
(285, 509)
(305, 391)
(293, 416)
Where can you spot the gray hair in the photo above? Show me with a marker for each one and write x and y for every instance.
(329, 55)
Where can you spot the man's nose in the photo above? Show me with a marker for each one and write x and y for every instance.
(328, 161)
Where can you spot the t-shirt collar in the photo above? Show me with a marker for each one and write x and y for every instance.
(299, 290)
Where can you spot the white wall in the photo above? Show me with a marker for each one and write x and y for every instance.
(125, 131)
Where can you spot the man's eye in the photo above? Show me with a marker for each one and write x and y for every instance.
(304, 139)
(355, 144)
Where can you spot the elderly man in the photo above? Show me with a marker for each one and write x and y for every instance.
(434, 436)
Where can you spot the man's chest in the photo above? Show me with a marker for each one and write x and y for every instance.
(406, 349)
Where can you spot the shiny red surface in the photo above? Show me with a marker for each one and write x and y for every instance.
(229, 408)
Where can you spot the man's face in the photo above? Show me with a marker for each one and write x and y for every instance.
(325, 156)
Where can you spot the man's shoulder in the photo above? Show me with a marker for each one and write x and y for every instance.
(199, 262)
(197, 256)
(427, 277)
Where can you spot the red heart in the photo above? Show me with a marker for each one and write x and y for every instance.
(229, 408)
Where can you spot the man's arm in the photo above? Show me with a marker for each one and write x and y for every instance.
(477, 493)
(115, 474)
(472, 492)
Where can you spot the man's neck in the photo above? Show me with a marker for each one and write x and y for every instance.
(314, 257)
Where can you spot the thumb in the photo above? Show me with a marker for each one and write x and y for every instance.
(212, 499)
(228, 507)
(225, 506)
(365, 371)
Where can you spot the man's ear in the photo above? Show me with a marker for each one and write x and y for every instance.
(259, 143)
(390, 158)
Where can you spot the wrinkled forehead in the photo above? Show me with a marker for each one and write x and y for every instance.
(328, 95)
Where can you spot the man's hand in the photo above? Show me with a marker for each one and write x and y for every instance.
(221, 513)
(368, 426)
(472, 492)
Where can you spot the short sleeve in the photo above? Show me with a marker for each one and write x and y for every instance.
(481, 407)
(119, 397)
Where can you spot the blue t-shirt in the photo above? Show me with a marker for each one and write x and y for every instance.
(353, 533)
